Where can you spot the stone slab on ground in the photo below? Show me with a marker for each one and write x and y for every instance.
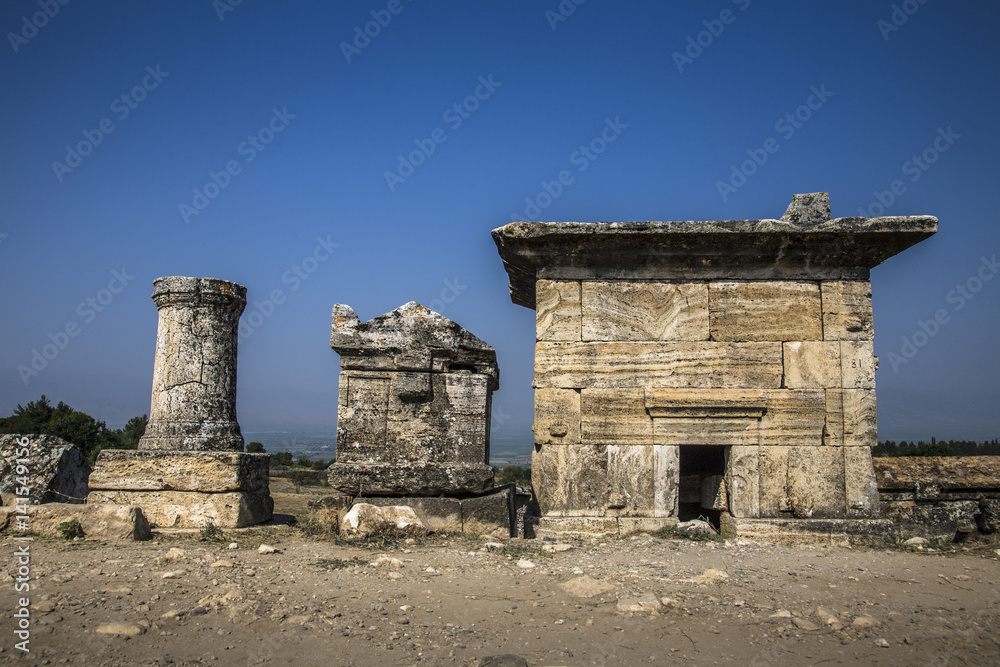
(490, 515)
(189, 509)
(98, 521)
(875, 532)
(56, 470)
(205, 472)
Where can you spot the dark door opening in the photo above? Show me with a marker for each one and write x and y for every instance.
(702, 471)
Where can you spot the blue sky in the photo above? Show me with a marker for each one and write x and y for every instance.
(244, 141)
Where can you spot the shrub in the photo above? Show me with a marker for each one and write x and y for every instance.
(70, 529)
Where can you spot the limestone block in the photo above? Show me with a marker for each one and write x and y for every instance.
(812, 364)
(743, 481)
(631, 481)
(858, 364)
(773, 467)
(666, 481)
(410, 479)
(562, 527)
(816, 487)
(362, 417)
(988, 519)
(860, 486)
(188, 509)
(860, 423)
(810, 208)
(794, 417)
(614, 416)
(833, 430)
(644, 311)
(442, 515)
(571, 480)
(557, 416)
(939, 521)
(847, 310)
(557, 310)
(706, 431)
(765, 311)
(674, 364)
(98, 521)
(490, 515)
(207, 472)
(55, 471)
(713, 493)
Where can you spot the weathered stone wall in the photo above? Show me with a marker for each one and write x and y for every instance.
(940, 496)
(782, 372)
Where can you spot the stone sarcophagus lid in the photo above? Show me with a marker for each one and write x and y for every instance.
(413, 412)
(716, 368)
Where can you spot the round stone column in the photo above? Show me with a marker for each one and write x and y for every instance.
(193, 406)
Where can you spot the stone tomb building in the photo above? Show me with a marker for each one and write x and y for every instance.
(720, 368)
(413, 418)
(190, 468)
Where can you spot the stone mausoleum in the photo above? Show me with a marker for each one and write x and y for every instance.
(413, 418)
(715, 368)
(190, 468)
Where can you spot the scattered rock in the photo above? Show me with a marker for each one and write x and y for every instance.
(365, 519)
(267, 549)
(123, 629)
(170, 575)
(222, 563)
(233, 545)
(388, 561)
(881, 643)
(916, 542)
(710, 577)
(174, 554)
(804, 624)
(525, 564)
(696, 526)
(782, 613)
(864, 623)
(556, 548)
(644, 603)
(586, 586)
(504, 660)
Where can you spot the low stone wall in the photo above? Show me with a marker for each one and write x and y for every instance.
(943, 497)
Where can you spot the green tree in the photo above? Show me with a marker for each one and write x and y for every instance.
(256, 448)
(134, 429)
(516, 475)
(282, 459)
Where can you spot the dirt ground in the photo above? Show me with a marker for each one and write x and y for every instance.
(456, 600)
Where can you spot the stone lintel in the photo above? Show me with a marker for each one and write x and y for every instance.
(205, 472)
(839, 249)
(690, 403)
(410, 479)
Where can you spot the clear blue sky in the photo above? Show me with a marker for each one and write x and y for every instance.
(309, 127)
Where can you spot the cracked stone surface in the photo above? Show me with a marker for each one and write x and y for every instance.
(193, 405)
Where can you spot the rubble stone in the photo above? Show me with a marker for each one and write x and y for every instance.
(98, 521)
(56, 471)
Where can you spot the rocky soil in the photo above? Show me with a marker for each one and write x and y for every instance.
(455, 600)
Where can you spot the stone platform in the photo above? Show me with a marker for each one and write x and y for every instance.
(180, 489)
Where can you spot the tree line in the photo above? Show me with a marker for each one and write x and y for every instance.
(937, 448)
(91, 436)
